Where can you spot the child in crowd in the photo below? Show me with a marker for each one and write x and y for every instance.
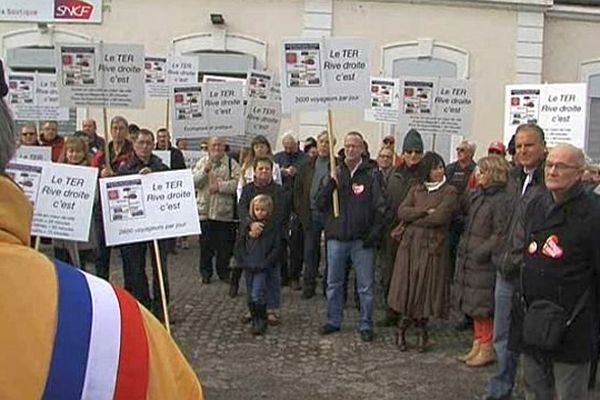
(75, 152)
(255, 253)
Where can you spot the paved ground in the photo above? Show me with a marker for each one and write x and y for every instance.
(293, 362)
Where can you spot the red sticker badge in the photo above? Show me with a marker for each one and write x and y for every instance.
(551, 247)
(357, 189)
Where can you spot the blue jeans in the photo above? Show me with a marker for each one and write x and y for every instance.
(502, 383)
(312, 249)
(363, 260)
(256, 286)
(273, 280)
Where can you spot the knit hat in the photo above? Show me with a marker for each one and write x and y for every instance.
(412, 141)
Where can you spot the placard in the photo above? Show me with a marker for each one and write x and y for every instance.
(155, 76)
(560, 109)
(385, 101)
(34, 97)
(263, 117)
(208, 109)
(62, 196)
(324, 73)
(259, 85)
(161, 73)
(436, 106)
(192, 157)
(34, 153)
(101, 75)
(138, 208)
(55, 11)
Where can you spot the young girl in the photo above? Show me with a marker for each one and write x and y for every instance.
(75, 152)
(255, 254)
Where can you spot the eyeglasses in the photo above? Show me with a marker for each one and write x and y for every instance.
(560, 167)
(413, 152)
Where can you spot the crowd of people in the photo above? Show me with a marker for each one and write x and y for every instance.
(492, 238)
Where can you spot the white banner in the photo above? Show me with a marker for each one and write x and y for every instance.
(161, 73)
(560, 109)
(164, 155)
(138, 208)
(34, 153)
(62, 197)
(324, 73)
(55, 11)
(438, 106)
(34, 97)
(385, 101)
(208, 109)
(192, 156)
(101, 75)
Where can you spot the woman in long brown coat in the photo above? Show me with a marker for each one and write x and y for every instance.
(488, 210)
(420, 283)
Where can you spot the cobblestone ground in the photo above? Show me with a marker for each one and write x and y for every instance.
(293, 362)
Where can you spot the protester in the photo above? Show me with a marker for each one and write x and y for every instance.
(526, 179)
(28, 135)
(399, 182)
(181, 144)
(62, 343)
(50, 137)
(163, 142)
(487, 208)
(132, 132)
(305, 204)
(216, 177)
(384, 163)
(95, 142)
(75, 152)
(389, 142)
(289, 161)
(557, 236)
(354, 235)
(120, 152)
(259, 147)
(134, 254)
(310, 149)
(258, 251)
(420, 282)
(263, 184)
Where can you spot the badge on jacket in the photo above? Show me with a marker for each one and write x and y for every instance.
(551, 248)
(532, 247)
(357, 189)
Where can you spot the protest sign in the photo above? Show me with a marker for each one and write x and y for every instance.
(164, 155)
(62, 196)
(263, 117)
(161, 73)
(560, 109)
(324, 73)
(192, 157)
(259, 85)
(34, 97)
(34, 153)
(385, 101)
(138, 208)
(101, 75)
(436, 106)
(208, 109)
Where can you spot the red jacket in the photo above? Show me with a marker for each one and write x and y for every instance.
(57, 145)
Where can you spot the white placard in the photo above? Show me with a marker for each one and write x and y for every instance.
(385, 101)
(560, 109)
(34, 97)
(62, 196)
(208, 109)
(138, 208)
(437, 106)
(263, 117)
(34, 153)
(192, 156)
(161, 73)
(325, 73)
(101, 75)
(59, 11)
(164, 155)
(259, 84)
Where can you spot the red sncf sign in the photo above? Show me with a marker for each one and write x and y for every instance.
(72, 9)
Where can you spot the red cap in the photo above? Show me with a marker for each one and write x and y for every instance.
(497, 147)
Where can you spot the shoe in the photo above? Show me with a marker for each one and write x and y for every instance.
(273, 318)
(328, 329)
(474, 351)
(367, 335)
(206, 280)
(403, 326)
(259, 322)
(295, 284)
(307, 294)
(484, 357)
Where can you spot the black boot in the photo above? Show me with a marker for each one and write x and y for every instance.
(259, 323)
(403, 325)
(423, 338)
(234, 283)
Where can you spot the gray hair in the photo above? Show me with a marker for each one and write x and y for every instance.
(8, 135)
(472, 146)
(575, 151)
(289, 135)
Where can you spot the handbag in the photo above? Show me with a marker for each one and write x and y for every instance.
(545, 322)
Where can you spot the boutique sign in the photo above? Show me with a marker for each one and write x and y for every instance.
(78, 11)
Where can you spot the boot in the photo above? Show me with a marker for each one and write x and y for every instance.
(403, 325)
(474, 351)
(484, 357)
(423, 336)
(259, 323)
(234, 283)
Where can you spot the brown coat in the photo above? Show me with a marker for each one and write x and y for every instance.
(488, 215)
(420, 282)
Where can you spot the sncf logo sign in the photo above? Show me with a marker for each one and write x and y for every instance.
(72, 9)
